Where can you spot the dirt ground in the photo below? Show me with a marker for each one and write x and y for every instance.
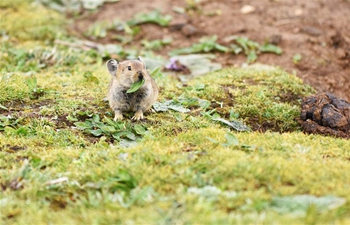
(318, 30)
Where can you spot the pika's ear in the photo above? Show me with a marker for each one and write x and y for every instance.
(140, 59)
(112, 66)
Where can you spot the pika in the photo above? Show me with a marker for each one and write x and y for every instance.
(124, 74)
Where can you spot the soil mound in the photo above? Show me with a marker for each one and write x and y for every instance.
(324, 113)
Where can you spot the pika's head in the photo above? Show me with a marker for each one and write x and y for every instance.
(127, 72)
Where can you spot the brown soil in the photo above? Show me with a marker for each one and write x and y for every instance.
(318, 30)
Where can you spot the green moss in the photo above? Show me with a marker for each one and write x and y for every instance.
(152, 180)
(265, 99)
(28, 20)
(13, 88)
(187, 169)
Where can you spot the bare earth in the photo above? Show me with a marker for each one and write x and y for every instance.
(319, 30)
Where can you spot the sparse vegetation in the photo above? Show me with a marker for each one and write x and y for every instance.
(64, 161)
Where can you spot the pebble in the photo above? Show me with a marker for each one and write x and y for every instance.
(246, 9)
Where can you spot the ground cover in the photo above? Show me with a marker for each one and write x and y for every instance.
(223, 147)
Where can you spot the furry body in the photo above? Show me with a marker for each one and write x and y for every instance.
(124, 74)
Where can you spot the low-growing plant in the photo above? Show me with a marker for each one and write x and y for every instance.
(205, 44)
(250, 48)
(151, 17)
(156, 44)
(14, 59)
(111, 129)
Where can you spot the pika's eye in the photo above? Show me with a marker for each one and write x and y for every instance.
(129, 68)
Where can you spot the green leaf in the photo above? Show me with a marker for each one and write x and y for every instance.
(236, 49)
(296, 58)
(83, 125)
(238, 126)
(139, 129)
(3, 107)
(96, 133)
(252, 56)
(108, 129)
(270, 48)
(156, 72)
(165, 106)
(136, 86)
(110, 121)
(22, 131)
(221, 48)
(96, 118)
(151, 17)
(131, 136)
(71, 118)
(231, 139)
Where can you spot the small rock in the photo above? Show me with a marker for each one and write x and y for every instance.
(178, 23)
(189, 30)
(298, 12)
(275, 39)
(313, 31)
(246, 9)
(331, 117)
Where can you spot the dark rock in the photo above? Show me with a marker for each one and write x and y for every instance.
(275, 39)
(178, 23)
(326, 114)
(189, 30)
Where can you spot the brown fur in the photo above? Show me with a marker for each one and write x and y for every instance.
(124, 74)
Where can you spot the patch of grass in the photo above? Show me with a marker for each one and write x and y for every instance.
(26, 59)
(185, 167)
(28, 20)
(13, 88)
(161, 177)
(266, 99)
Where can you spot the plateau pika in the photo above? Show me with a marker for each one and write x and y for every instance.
(124, 74)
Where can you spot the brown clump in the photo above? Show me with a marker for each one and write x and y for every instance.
(324, 113)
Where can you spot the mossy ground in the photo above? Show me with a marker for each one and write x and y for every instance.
(52, 172)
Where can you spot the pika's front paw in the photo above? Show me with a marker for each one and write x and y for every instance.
(118, 116)
(138, 116)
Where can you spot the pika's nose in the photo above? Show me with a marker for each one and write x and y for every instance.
(140, 76)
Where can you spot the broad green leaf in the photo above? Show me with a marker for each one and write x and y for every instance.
(131, 136)
(83, 125)
(221, 48)
(238, 126)
(96, 133)
(96, 118)
(3, 107)
(231, 139)
(165, 106)
(139, 129)
(108, 129)
(136, 86)
(270, 48)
